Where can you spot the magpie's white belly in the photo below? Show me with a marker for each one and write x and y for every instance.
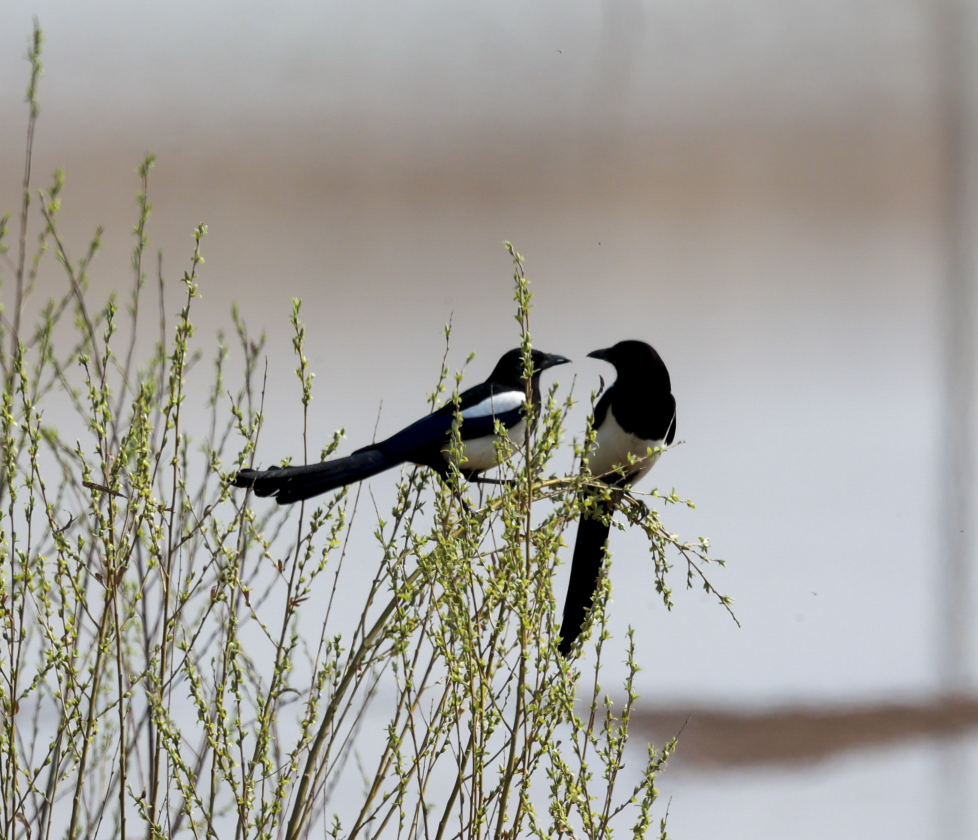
(481, 453)
(614, 447)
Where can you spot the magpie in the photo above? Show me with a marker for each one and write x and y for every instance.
(633, 418)
(427, 442)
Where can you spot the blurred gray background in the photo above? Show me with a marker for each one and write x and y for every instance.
(766, 192)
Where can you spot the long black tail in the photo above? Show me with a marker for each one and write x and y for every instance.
(294, 484)
(589, 550)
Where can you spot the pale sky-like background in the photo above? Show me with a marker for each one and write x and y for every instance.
(755, 189)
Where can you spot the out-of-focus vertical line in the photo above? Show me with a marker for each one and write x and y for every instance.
(624, 34)
(959, 130)
(959, 114)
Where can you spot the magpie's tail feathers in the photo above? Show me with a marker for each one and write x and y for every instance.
(295, 484)
(589, 552)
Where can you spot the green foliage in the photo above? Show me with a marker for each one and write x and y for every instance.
(158, 673)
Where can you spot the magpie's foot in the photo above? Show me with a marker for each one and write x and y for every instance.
(466, 507)
(639, 504)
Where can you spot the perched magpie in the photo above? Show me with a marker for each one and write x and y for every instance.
(635, 415)
(427, 442)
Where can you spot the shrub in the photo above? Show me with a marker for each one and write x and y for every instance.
(154, 676)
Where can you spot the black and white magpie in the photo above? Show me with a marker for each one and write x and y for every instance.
(427, 442)
(633, 418)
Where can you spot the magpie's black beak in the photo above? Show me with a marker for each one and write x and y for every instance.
(553, 360)
(603, 355)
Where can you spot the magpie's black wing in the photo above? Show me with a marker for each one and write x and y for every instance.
(480, 406)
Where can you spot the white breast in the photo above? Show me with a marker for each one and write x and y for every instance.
(614, 447)
(481, 454)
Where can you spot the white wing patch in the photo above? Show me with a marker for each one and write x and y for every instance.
(495, 405)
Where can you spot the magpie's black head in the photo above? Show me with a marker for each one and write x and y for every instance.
(509, 369)
(633, 359)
